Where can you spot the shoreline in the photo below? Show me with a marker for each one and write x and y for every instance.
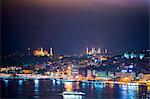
(69, 80)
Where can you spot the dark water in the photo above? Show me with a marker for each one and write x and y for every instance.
(50, 89)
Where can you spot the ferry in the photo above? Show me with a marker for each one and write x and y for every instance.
(72, 93)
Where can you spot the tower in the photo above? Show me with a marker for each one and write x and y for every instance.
(87, 50)
(92, 50)
(99, 51)
(106, 51)
(41, 49)
(29, 51)
(51, 51)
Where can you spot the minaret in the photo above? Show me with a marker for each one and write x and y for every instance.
(51, 51)
(41, 49)
(99, 51)
(87, 50)
(92, 50)
(106, 51)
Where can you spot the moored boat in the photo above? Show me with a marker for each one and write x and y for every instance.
(72, 93)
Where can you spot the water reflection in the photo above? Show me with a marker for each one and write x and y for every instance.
(20, 82)
(36, 82)
(111, 85)
(36, 87)
(71, 94)
(148, 88)
(58, 82)
(77, 85)
(53, 81)
(6, 82)
(68, 86)
(123, 87)
(129, 91)
(99, 86)
(83, 85)
(50, 89)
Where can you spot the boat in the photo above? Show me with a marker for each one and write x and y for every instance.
(72, 93)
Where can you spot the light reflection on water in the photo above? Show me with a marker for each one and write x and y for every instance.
(6, 82)
(20, 82)
(128, 91)
(52, 88)
(36, 82)
(68, 86)
(36, 88)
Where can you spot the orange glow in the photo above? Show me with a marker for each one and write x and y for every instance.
(126, 79)
(40, 52)
(69, 67)
(77, 77)
(60, 57)
(50, 63)
(68, 71)
(68, 86)
(148, 88)
(26, 71)
(103, 58)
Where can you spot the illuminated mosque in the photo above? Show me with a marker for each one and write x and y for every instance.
(42, 52)
(94, 51)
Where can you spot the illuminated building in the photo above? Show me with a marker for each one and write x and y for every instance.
(124, 74)
(89, 73)
(51, 51)
(104, 74)
(40, 52)
(106, 51)
(99, 51)
(93, 51)
(133, 55)
(144, 77)
(74, 70)
(141, 56)
(68, 71)
(27, 71)
(103, 58)
(61, 57)
(87, 50)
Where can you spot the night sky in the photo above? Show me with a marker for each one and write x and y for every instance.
(72, 25)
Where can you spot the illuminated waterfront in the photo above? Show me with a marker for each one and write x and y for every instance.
(50, 89)
(75, 49)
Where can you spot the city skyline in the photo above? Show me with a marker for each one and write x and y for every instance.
(75, 49)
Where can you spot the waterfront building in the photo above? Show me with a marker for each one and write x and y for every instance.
(89, 73)
(144, 77)
(74, 70)
(125, 74)
(104, 74)
(132, 55)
